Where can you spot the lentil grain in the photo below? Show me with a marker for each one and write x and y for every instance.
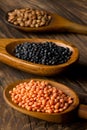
(47, 53)
(24, 15)
(33, 100)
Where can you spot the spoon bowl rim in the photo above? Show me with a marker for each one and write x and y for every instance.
(74, 56)
(33, 29)
(67, 91)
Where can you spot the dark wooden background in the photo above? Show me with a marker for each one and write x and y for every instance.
(75, 77)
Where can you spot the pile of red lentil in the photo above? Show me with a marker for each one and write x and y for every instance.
(40, 96)
(28, 17)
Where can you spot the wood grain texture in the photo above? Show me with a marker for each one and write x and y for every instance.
(75, 77)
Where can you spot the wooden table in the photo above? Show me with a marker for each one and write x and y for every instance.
(75, 77)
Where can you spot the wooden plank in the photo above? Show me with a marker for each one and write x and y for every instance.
(75, 10)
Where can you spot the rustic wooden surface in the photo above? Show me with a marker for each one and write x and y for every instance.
(75, 77)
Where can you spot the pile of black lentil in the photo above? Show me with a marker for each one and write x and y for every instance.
(47, 53)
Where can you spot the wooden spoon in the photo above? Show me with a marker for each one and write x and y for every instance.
(7, 56)
(69, 114)
(57, 23)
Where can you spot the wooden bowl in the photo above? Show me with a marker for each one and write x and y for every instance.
(65, 116)
(7, 56)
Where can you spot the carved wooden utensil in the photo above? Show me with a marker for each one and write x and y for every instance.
(58, 23)
(74, 110)
(7, 56)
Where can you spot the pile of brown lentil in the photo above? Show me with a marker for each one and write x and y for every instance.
(40, 96)
(27, 17)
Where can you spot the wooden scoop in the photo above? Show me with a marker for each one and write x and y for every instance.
(7, 56)
(57, 23)
(69, 114)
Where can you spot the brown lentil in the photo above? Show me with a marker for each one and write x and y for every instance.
(40, 96)
(28, 17)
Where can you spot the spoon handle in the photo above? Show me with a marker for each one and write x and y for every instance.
(64, 25)
(75, 28)
(82, 111)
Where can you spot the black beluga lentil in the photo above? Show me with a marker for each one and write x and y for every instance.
(47, 53)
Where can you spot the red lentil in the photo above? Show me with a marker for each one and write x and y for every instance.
(40, 96)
